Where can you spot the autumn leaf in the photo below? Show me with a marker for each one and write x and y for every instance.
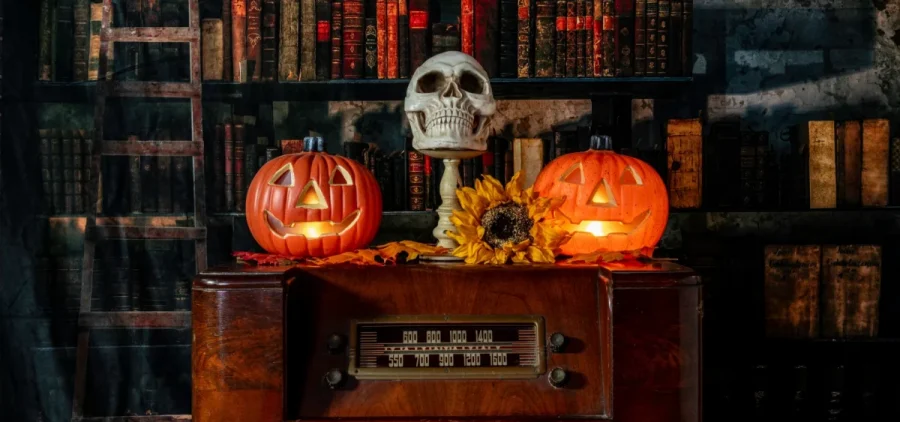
(600, 257)
(411, 249)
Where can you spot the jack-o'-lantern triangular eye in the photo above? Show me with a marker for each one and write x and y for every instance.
(311, 197)
(602, 196)
(630, 177)
(575, 175)
(283, 177)
(340, 177)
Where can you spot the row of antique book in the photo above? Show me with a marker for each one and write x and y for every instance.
(829, 291)
(289, 40)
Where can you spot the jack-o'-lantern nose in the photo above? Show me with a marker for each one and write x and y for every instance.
(602, 196)
(311, 197)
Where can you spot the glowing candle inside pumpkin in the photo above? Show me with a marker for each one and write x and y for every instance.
(593, 227)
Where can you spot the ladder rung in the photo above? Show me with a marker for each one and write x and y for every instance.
(153, 89)
(153, 34)
(150, 148)
(147, 232)
(176, 319)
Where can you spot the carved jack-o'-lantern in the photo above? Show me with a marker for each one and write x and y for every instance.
(313, 204)
(614, 202)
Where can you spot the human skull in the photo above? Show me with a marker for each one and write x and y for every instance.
(448, 103)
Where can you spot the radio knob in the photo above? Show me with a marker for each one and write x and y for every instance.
(558, 342)
(558, 377)
(335, 344)
(335, 378)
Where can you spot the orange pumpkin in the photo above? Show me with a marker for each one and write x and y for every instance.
(614, 202)
(313, 204)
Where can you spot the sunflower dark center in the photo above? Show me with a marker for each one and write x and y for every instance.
(506, 223)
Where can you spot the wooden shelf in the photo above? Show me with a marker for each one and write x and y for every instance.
(384, 89)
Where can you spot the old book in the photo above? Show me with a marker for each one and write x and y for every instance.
(308, 39)
(875, 138)
(662, 37)
(528, 158)
(239, 186)
(63, 41)
(895, 171)
(353, 51)
(94, 43)
(640, 37)
(239, 39)
(381, 37)
(416, 180)
(822, 173)
(323, 40)
(418, 34)
(849, 140)
(82, 19)
(402, 43)
(444, 37)
(609, 37)
(269, 41)
(213, 53)
(544, 39)
(687, 34)
(791, 290)
(467, 26)
(580, 40)
(228, 67)
(289, 41)
(228, 186)
(559, 65)
(393, 71)
(254, 40)
(851, 286)
(589, 38)
(571, 38)
(509, 32)
(337, 36)
(625, 40)
(652, 30)
(684, 145)
(675, 37)
(487, 22)
(45, 62)
(597, 38)
(371, 37)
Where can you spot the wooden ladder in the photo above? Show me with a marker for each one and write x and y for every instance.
(99, 228)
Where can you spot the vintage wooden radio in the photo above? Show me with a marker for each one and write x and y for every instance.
(442, 341)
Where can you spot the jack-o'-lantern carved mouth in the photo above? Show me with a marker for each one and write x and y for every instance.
(311, 229)
(601, 228)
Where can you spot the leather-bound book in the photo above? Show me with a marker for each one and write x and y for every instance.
(676, 26)
(851, 287)
(822, 172)
(337, 24)
(254, 40)
(239, 39)
(212, 52)
(444, 37)
(640, 37)
(323, 39)
(416, 180)
(289, 41)
(371, 43)
(467, 26)
(524, 23)
(625, 39)
(269, 41)
(63, 41)
(82, 19)
(875, 139)
(393, 28)
(580, 39)
(381, 37)
(309, 33)
(835, 403)
(849, 142)
(45, 50)
(791, 290)
(403, 41)
(229, 166)
(429, 182)
(239, 187)
(559, 65)
(687, 35)
(589, 37)
(662, 37)
(353, 40)
(684, 145)
(609, 37)
(571, 38)
(544, 39)
(217, 196)
(509, 31)
(652, 30)
(895, 171)
(418, 34)
(487, 22)
(228, 67)
(597, 38)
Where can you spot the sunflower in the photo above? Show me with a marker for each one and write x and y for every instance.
(497, 225)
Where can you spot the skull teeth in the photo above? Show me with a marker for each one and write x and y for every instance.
(449, 121)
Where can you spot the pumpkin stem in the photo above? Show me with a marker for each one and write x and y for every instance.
(601, 143)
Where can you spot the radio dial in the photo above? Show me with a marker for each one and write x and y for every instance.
(335, 344)
(335, 378)
(558, 342)
(558, 377)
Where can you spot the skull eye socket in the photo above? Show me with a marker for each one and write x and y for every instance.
(430, 83)
(470, 82)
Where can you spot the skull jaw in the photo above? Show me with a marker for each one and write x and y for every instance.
(451, 144)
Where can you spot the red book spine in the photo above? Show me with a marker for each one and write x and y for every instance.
(254, 38)
(487, 22)
(640, 38)
(229, 167)
(597, 21)
(381, 37)
(416, 181)
(239, 191)
(392, 28)
(270, 41)
(323, 39)
(403, 39)
(429, 192)
(353, 39)
(418, 32)
(559, 67)
(337, 22)
(523, 46)
(609, 38)
(579, 38)
(226, 41)
(589, 38)
(571, 38)
(467, 26)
